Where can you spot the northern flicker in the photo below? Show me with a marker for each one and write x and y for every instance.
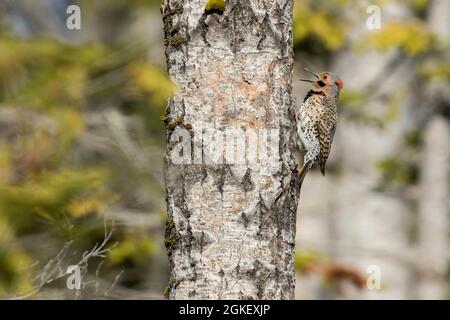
(316, 120)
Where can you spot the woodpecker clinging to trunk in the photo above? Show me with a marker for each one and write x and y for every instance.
(316, 120)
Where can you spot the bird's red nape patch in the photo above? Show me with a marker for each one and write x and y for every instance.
(340, 84)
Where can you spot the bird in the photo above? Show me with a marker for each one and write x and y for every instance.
(316, 120)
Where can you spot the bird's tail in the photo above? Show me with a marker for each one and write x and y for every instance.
(303, 172)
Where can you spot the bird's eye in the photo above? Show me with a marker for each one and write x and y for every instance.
(325, 77)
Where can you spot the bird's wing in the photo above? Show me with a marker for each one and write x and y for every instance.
(325, 129)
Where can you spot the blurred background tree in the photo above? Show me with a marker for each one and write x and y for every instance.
(376, 208)
(81, 143)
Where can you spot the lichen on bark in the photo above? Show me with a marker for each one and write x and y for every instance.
(215, 6)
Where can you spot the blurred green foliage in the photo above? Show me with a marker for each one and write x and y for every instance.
(53, 196)
(48, 92)
(133, 249)
(413, 37)
(439, 71)
(317, 27)
(305, 260)
(397, 172)
(401, 170)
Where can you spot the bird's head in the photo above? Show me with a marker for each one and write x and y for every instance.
(326, 82)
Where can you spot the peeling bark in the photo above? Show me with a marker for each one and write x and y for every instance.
(231, 225)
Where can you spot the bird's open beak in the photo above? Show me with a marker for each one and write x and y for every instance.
(309, 70)
(306, 80)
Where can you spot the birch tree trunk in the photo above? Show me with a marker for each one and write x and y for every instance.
(229, 168)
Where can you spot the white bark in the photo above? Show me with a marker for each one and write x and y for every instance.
(231, 227)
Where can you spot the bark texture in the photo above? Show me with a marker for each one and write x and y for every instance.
(231, 227)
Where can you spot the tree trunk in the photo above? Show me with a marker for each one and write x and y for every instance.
(229, 167)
